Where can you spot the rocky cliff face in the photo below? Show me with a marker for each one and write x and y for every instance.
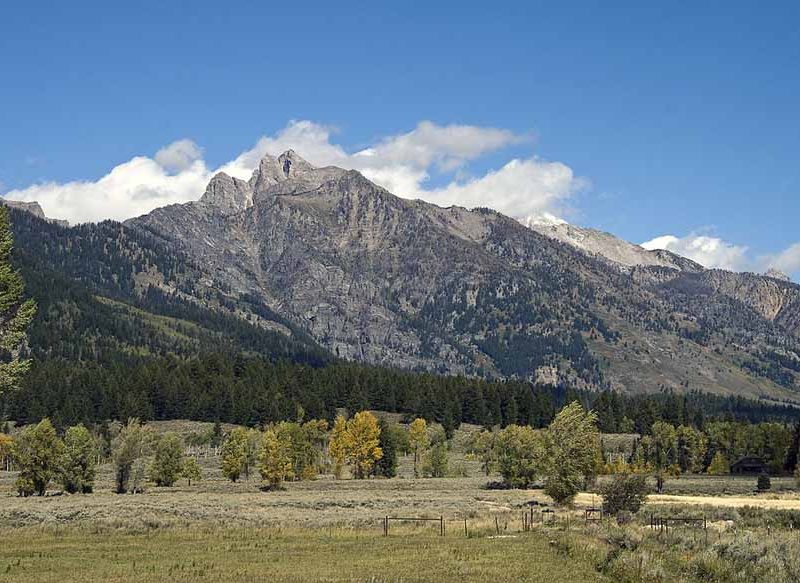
(33, 208)
(386, 280)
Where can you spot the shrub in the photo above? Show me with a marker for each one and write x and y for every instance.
(436, 461)
(719, 465)
(625, 493)
(764, 483)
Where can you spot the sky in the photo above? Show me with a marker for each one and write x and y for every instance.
(674, 125)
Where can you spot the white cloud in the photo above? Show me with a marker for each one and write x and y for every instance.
(402, 163)
(706, 250)
(714, 252)
(523, 189)
(787, 261)
(130, 189)
(179, 156)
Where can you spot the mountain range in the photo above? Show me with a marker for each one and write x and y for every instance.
(322, 261)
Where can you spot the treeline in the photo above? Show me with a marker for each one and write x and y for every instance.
(712, 449)
(254, 391)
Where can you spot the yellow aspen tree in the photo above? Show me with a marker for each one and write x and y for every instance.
(418, 435)
(362, 443)
(337, 445)
(275, 459)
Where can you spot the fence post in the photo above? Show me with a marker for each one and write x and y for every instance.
(441, 525)
(466, 532)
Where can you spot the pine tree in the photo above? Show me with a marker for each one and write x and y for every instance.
(790, 463)
(15, 313)
(387, 465)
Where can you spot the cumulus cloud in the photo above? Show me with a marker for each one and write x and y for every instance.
(404, 164)
(128, 190)
(706, 250)
(787, 261)
(523, 189)
(714, 252)
(178, 156)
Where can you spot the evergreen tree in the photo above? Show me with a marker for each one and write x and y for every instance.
(387, 465)
(15, 313)
(790, 463)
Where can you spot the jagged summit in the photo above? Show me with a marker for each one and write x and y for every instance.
(289, 173)
(228, 194)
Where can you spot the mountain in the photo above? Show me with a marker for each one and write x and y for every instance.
(335, 264)
(607, 246)
(33, 208)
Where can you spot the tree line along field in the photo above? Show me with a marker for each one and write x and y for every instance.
(330, 530)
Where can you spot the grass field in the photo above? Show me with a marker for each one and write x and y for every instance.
(330, 530)
(244, 554)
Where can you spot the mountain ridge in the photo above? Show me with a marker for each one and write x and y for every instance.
(404, 283)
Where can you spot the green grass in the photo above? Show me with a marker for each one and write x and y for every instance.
(219, 554)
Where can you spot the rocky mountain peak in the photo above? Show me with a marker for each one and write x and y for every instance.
(777, 274)
(293, 165)
(272, 171)
(228, 194)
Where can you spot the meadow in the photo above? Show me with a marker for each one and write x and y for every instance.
(331, 530)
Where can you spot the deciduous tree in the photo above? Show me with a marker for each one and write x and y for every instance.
(191, 470)
(37, 451)
(519, 453)
(719, 465)
(130, 446)
(571, 441)
(275, 458)
(168, 461)
(78, 461)
(234, 453)
(418, 436)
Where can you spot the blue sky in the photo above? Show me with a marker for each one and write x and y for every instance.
(679, 118)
